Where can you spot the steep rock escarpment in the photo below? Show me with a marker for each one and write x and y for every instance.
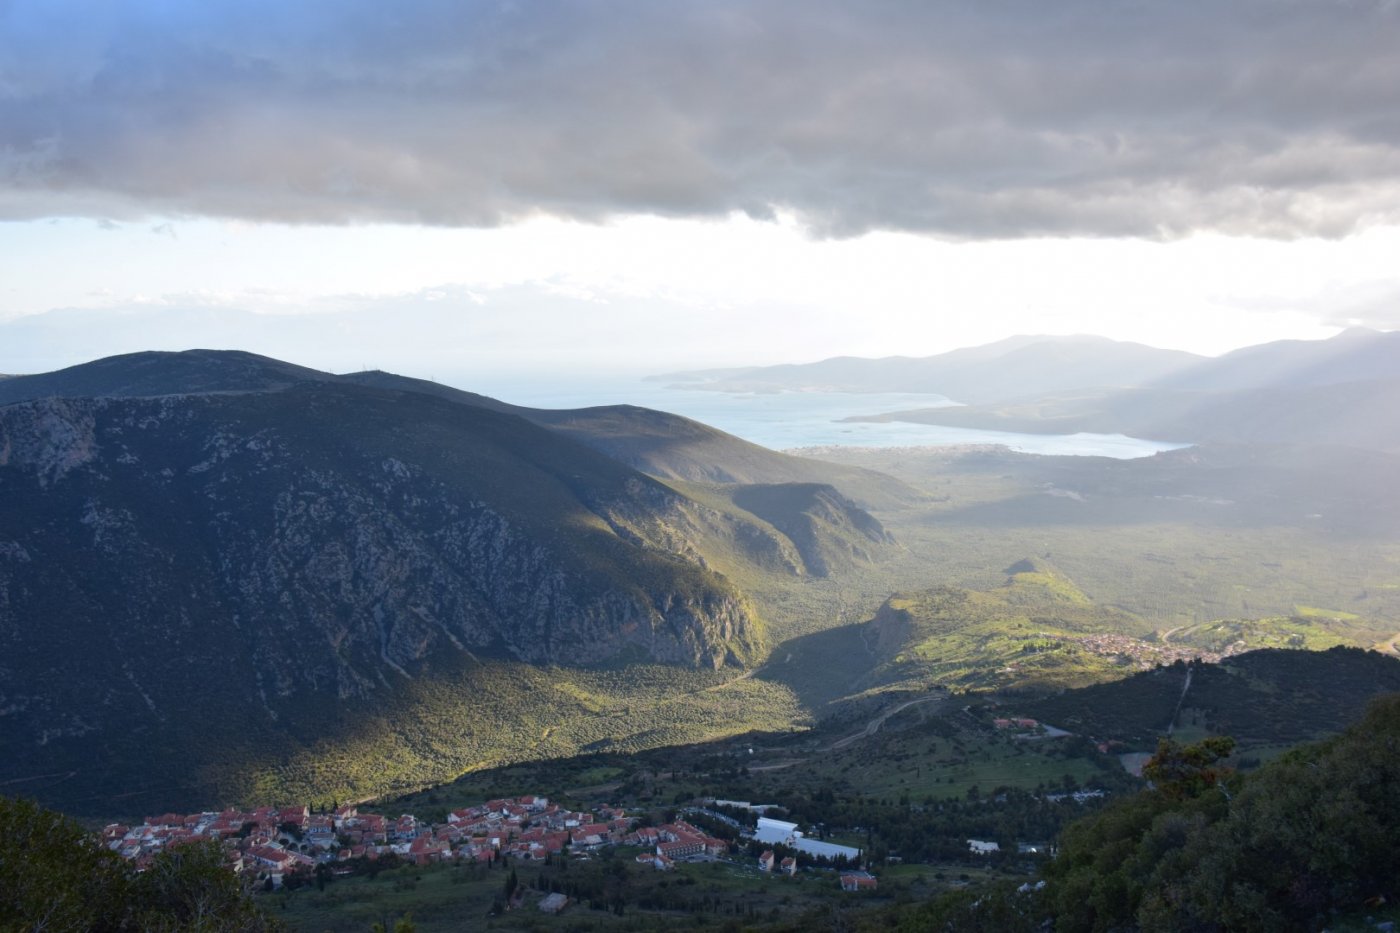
(253, 550)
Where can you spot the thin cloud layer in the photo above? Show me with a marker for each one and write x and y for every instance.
(973, 119)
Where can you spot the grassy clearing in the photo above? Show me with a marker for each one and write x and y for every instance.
(914, 764)
(451, 898)
(1312, 612)
(1310, 633)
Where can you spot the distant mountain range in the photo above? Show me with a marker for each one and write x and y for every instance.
(217, 537)
(1358, 354)
(1344, 392)
(1025, 368)
(1013, 367)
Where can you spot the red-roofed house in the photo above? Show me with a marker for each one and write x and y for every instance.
(585, 839)
(268, 857)
(426, 849)
(858, 881)
(680, 848)
(297, 816)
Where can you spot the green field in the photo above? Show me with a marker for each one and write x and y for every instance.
(451, 898)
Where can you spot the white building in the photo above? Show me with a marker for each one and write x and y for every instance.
(778, 832)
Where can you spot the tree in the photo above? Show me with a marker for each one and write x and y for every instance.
(1181, 771)
(55, 876)
(189, 887)
(1307, 836)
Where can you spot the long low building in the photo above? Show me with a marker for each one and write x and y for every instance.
(778, 832)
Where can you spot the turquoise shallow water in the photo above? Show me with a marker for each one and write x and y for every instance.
(803, 419)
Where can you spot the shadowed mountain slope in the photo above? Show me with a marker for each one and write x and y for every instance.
(673, 447)
(417, 580)
(375, 527)
(830, 532)
(660, 444)
(268, 554)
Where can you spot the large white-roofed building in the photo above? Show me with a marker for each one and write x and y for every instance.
(778, 832)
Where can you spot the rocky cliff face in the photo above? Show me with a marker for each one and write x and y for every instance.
(254, 549)
(227, 577)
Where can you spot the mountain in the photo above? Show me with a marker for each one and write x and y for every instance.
(1339, 392)
(1017, 366)
(1362, 414)
(219, 572)
(160, 373)
(264, 551)
(672, 447)
(658, 443)
(399, 523)
(1354, 355)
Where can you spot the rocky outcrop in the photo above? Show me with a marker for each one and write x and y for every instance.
(321, 540)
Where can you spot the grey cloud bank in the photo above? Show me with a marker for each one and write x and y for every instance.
(1006, 119)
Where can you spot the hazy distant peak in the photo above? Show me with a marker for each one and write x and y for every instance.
(1353, 355)
(1014, 367)
(1358, 333)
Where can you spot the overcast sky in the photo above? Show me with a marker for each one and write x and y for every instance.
(438, 184)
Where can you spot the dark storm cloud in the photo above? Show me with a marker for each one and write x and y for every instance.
(976, 119)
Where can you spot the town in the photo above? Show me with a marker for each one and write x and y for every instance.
(292, 845)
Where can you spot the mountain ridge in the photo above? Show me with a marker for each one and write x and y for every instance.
(660, 444)
(1015, 366)
(320, 561)
(1027, 367)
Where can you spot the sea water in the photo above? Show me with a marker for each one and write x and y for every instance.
(785, 420)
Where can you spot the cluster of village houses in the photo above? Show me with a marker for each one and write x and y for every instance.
(275, 841)
(280, 840)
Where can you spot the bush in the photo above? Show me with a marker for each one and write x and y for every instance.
(55, 876)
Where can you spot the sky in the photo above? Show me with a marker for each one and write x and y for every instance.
(448, 188)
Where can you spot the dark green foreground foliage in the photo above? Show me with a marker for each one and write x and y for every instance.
(54, 876)
(1306, 840)
(1308, 835)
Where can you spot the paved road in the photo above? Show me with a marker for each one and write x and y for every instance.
(874, 725)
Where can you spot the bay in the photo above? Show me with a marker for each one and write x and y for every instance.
(786, 420)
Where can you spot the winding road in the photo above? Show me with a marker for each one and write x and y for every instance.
(874, 725)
